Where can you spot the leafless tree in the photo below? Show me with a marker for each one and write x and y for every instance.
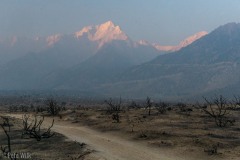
(114, 109)
(6, 149)
(33, 129)
(148, 105)
(52, 107)
(161, 107)
(6, 123)
(218, 108)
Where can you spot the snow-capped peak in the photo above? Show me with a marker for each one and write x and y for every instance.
(102, 33)
(84, 30)
(192, 38)
(182, 44)
(106, 25)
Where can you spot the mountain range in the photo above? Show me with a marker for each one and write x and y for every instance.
(209, 65)
(89, 40)
(103, 60)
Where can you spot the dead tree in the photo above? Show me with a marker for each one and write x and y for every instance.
(114, 109)
(149, 105)
(6, 149)
(52, 107)
(6, 123)
(218, 108)
(161, 107)
(34, 130)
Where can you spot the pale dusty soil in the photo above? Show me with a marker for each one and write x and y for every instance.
(109, 146)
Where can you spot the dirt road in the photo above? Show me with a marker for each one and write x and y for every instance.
(111, 147)
(108, 146)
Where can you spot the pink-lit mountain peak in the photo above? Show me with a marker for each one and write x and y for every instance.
(102, 33)
(105, 33)
(92, 30)
(189, 40)
(192, 38)
(106, 26)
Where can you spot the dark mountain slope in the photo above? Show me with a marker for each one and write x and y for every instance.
(208, 65)
(106, 65)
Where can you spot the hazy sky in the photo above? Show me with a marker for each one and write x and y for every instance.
(162, 21)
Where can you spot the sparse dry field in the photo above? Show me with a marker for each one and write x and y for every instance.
(190, 135)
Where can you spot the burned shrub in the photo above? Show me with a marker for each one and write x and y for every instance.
(52, 107)
(218, 109)
(162, 107)
(6, 149)
(148, 105)
(33, 129)
(114, 109)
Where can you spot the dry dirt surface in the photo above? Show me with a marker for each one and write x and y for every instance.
(107, 146)
(117, 146)
(110, 147)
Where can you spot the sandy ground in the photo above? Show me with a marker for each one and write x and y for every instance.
(107, 145)
(111, 147)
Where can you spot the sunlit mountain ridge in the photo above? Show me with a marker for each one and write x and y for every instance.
(88, 61)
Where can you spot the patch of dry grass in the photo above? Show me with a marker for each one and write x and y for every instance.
(194, 132)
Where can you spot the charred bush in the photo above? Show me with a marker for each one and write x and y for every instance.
(218, 109)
